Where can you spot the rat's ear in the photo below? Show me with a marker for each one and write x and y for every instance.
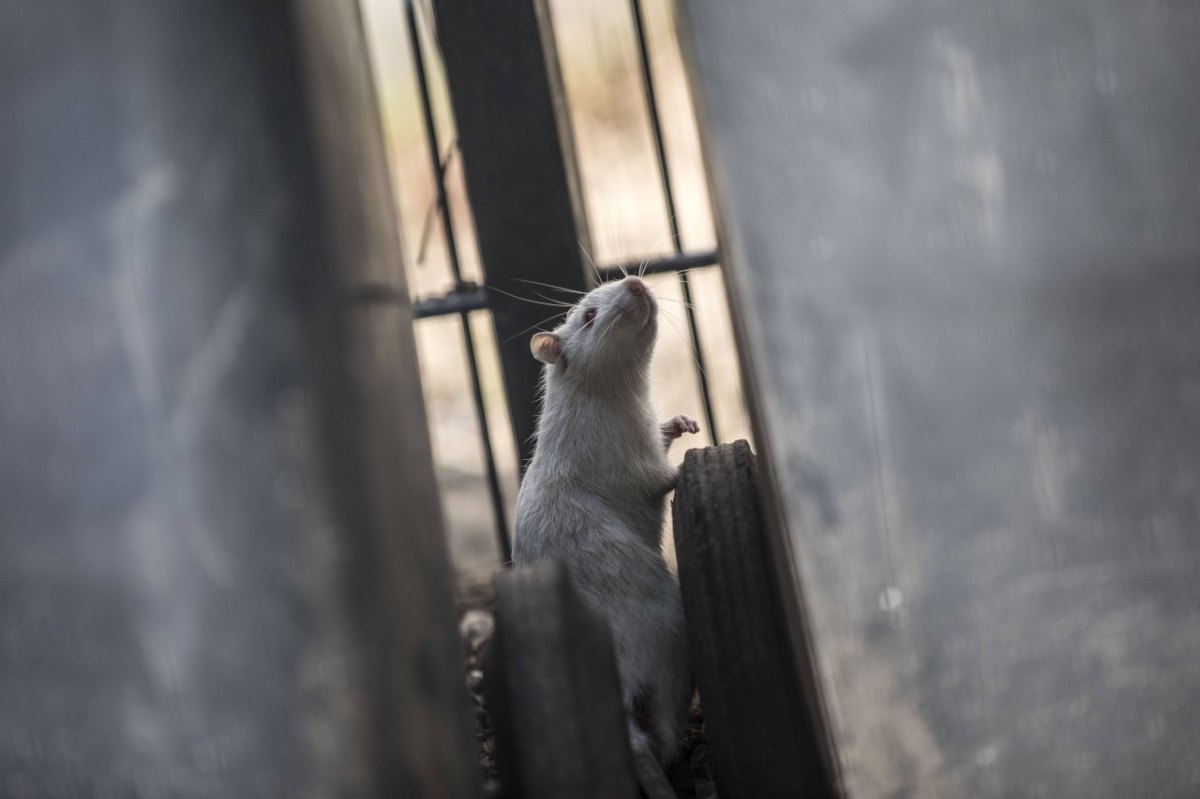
(546, 347)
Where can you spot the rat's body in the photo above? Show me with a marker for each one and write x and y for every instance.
(594, 498)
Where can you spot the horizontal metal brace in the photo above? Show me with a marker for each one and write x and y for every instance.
(674, 263)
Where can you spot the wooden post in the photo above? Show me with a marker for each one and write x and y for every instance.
(553, 692)
(223, 570)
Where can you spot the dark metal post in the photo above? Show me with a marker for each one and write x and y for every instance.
(464, 316)
(514, 136)
(222, 569)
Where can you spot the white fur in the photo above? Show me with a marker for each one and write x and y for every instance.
(594, 497)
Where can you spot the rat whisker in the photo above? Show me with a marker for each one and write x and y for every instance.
(614, 238)
(526, 299)
(595, 269)
(665, 233)
(687, 270)
(684, 303)
(549, 285)
(669, 316)
(534, 325)
(552, 300)
(687, 339)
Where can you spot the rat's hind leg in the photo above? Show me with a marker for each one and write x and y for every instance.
(645, 744)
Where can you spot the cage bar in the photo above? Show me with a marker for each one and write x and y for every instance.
(664, 174)
(503, 540)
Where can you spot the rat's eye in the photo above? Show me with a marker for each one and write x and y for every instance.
(589, 316)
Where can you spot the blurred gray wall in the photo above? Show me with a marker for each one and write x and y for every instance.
(221, 563)
(963, 247)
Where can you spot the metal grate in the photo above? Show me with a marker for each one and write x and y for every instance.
(468, 296)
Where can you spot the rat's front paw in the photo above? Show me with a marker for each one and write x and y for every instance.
(678, 426)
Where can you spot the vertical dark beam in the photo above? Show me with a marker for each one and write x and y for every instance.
(433, 141)
(222, 568)
(514, 136)
(380, 464)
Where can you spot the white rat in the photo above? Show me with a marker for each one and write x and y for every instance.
(594, 498)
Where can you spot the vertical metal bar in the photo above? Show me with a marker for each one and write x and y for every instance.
(664, 173)
(516, 146)
(431, 136)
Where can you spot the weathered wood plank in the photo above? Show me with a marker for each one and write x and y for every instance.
(551, 683)
(758, 720)
(222, 567)
(961, 245)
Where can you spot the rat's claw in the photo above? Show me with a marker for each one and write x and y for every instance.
(678, 426)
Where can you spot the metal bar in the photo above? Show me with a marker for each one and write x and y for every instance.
(674, 263)
(454, 302)
(431, 136)
(516, 147)
(664, 173)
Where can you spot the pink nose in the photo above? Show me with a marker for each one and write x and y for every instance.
(636, 286)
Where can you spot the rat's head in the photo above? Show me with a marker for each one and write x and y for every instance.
(609, 334)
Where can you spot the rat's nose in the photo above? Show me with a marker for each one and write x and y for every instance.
(637, 286)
